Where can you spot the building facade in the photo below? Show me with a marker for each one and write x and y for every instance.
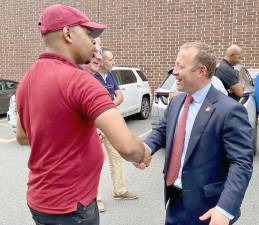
(141, 33)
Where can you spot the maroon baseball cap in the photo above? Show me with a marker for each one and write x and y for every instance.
(56, 17)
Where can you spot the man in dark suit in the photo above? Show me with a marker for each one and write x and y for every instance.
(208, 145)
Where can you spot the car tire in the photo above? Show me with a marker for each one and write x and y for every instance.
(145, 108)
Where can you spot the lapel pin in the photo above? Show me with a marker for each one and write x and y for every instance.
(208, 109)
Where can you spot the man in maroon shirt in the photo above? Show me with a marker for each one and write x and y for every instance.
(59, 109)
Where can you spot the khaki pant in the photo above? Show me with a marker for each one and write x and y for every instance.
(116, 169)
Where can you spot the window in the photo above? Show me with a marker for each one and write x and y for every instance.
(10, 85)
(127, 76)
(168, 82)
(116, 77)
(142, 75)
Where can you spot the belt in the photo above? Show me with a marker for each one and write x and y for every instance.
(176, 193)
(177, 189)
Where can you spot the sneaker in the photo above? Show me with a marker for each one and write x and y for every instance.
(127, 196)
(100, 206)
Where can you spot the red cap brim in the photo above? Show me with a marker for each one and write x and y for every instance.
(96, 28)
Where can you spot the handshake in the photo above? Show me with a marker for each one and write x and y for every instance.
(146, 160)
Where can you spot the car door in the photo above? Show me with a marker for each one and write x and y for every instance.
(4, 98)
(128, 84)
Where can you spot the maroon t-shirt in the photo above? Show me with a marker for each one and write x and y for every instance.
(57, 105)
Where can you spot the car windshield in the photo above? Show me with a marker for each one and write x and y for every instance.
(168, 82)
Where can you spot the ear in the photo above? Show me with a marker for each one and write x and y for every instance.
(203, 71)
(67, 34)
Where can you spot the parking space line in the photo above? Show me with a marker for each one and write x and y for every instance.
(3, 140)
(4, 125)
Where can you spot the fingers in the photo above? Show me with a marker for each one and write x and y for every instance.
(146, 161)
(205, 216)
(101, 135)
(140, 166)
(147, 157)
(216, 217)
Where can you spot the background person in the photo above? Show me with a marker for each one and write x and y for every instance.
(104, 76)
(114, 158)
(228, 75)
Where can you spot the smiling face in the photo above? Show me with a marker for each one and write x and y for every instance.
(187, 77)
(194, 66)
(95, 62)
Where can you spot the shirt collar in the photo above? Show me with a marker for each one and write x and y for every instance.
(228, 63)
(200, 95)
(54, 55)
(97, 74)
(103, 77)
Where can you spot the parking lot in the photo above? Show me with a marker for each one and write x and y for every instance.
(148, 184)
(6, 132)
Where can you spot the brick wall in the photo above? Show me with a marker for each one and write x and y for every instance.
(20, 40)
(141, 33)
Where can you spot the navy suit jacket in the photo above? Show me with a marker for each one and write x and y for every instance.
(219, 158)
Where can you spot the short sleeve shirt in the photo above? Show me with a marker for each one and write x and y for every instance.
(109, 83)
(228, 75)
(58, 104)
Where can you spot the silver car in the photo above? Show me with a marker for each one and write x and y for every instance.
(161, 100)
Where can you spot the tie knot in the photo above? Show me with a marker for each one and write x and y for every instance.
(188, 99)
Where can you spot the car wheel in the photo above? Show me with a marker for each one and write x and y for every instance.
(145, 108)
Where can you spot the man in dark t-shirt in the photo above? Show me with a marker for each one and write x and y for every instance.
(228, 75)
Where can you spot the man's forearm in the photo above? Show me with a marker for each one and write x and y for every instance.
(23, 141)
(115, 129)
(118, 98)
(21, 136)
(117, 101)
(130, 147)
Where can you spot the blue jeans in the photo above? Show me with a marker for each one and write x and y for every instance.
(84, 215)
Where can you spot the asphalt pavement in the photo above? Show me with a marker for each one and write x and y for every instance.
(148, 184)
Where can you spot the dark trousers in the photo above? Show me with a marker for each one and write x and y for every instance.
(176, 214)
(84, 215)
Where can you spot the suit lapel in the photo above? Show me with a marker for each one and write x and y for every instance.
(202, 118)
